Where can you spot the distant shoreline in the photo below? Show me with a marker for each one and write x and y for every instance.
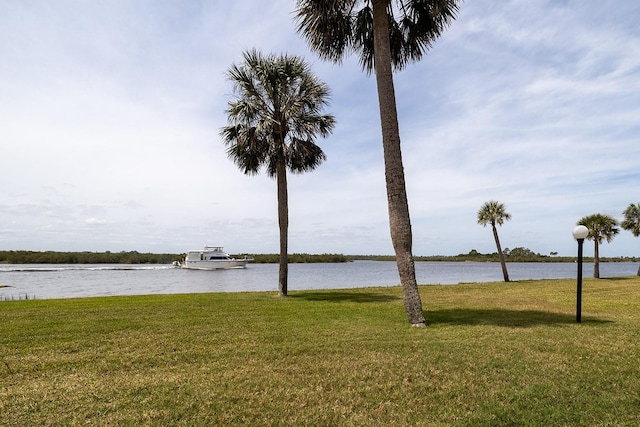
(134, 257)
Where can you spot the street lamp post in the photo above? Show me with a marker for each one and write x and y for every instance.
(580, 233)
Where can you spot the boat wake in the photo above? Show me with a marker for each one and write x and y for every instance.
(79, 267)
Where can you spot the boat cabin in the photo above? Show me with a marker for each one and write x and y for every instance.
(209, 253)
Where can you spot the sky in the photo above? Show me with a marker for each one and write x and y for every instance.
(110, 113)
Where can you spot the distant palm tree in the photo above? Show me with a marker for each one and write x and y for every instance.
(631, 221)
(601, 227)
(493, 212)
(386, 34)
(274, 118)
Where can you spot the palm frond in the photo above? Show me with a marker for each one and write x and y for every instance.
(245, 148)
(631, 220)
(327, 25)
(333, 28)
(304, 155)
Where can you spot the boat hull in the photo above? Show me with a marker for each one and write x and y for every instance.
(215, 264)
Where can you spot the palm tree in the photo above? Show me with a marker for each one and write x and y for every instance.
(387, 34)
(601, 227)
(631, 221)
(274, 119)
(493, 212)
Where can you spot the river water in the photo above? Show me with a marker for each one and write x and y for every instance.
(71, 281)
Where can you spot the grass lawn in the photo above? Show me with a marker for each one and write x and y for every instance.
(492, 355)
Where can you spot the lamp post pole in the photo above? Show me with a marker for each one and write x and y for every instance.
(579, 233)
(579, 296)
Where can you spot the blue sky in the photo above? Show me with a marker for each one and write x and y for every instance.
(110, 113)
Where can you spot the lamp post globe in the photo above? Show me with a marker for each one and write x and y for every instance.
(580, 232)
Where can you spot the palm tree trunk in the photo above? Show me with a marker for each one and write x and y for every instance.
(283, 222)
(596, 260)
(503, 264)
(399, 221)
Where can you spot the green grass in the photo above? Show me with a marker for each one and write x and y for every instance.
(492, 355)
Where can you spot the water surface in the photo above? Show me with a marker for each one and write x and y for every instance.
(70, 281)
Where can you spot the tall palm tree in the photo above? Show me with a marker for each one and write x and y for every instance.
(631, 221)
(274, 118)
(493, 212)
(387, 35)
(601, 227)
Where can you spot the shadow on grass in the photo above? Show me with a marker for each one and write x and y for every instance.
(619, 278)
(504, 317)
(338, 296)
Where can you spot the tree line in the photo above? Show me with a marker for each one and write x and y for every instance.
(51, 257)
(134, 257)
(519, 254)
(300, 258)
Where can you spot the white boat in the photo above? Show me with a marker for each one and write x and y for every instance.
(212, 258)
